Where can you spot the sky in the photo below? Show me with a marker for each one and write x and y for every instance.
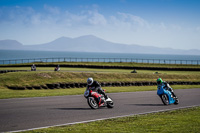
(160, 23)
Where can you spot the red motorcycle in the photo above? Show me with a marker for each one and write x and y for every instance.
(96, 100)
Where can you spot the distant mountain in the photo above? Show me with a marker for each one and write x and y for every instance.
(10, 44)
(90, 43)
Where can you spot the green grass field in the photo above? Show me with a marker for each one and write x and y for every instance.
(185, 120)
(101, 75)
(177, 121)
(46, 75)
(6, 93)
(69, 69)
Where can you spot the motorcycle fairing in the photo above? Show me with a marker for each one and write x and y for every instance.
(162, 91)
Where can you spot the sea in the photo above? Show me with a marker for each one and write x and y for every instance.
(21, 54)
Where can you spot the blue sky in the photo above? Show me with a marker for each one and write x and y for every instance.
(161, 23)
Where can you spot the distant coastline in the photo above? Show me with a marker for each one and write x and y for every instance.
(90, 43)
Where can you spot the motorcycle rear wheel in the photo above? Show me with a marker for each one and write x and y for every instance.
(165, 99)
(92, 103)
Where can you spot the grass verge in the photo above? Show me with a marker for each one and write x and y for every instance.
(43, 78)
(6, 93)
(70, 69)
(182, 121)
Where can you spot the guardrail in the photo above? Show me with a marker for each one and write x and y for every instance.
(70, 59)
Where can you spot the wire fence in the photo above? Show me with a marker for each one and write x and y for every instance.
(70, 59)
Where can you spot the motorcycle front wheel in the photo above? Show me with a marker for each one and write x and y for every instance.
(110, 104)
(165, 99)
(92, 103)
(176, 101)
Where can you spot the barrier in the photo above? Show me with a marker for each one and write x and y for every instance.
(6, 71)
(103, 84)
(70, 59)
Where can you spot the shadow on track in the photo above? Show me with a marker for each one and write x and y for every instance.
(146, 104)
(72, 108)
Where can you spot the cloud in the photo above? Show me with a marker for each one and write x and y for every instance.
(53, 15)
(132, 19)
(198, 28)
(15, 14)
(162, 26)
(36, 19)
(52, 10)
(96, 18)
(31, 26)
(176, 27)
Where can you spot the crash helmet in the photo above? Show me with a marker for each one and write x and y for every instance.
(90, 81)
(159, 81)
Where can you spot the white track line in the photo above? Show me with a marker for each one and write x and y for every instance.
(103, 119)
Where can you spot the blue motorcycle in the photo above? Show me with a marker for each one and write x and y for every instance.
(166, 96)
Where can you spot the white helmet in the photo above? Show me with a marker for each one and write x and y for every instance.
(90, 81)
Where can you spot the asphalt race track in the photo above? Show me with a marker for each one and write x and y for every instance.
(29, 113)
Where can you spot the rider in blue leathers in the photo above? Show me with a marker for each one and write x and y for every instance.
(165, 85)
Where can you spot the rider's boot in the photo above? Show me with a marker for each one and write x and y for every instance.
(106, 97)
(173, 95)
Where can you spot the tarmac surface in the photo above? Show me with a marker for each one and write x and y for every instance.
(29, 113)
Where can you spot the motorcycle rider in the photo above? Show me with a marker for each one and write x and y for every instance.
(57, 68)
(165, 85)
(33, 67)
(95, 86)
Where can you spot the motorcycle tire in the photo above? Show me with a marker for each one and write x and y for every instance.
(176, 101)
(165, 99)
(110, 104)
(92, 103)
